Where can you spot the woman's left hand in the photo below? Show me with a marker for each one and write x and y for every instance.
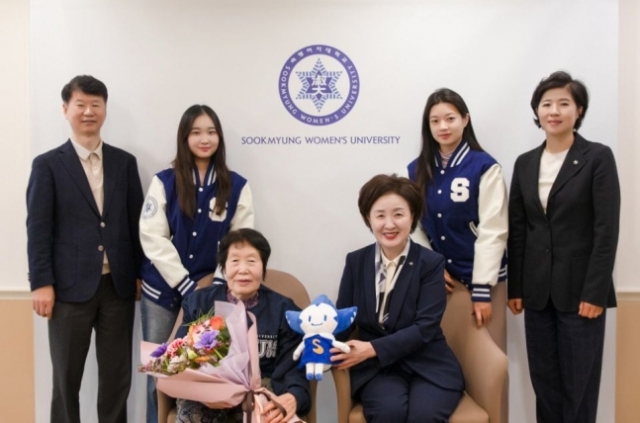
(273, 414)
(449, 283)
(360, 351)
(589, 311)
(483, 312)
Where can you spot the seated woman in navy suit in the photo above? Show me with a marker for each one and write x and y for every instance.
(401, 367)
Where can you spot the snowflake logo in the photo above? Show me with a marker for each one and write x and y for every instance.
(319, 85)
(312, 79)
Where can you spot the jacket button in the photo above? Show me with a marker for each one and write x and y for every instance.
(100, 248)
(102, 224)
(547, 250)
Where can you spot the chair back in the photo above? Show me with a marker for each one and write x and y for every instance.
(484, 366)
(289, 286)
(483, 363)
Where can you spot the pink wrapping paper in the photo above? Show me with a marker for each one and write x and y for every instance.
(235, 380)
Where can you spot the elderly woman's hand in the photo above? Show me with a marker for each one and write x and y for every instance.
(273, 414)
(360, 351)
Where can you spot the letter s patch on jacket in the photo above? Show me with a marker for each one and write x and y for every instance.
(212, 214)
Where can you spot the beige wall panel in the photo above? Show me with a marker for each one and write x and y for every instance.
(628, 365)
(16, 355)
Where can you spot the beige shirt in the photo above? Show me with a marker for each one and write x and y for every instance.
(91, 162)
(550, 164)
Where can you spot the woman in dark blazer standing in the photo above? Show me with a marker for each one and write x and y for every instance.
(401, 367)
(564, 213)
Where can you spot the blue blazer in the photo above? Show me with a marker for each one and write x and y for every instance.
(67, 234)
(411, 337)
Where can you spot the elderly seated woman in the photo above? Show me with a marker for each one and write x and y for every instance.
(401, 367)
(243, 258)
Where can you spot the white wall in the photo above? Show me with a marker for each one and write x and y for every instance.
(15, 149)
(628, 149)
(159, 57)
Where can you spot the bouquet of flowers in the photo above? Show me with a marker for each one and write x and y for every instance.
(235, 374)
(229, 374)
(206, 344)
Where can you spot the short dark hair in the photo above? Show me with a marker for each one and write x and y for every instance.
(381, 185)
(561, 79)
(245, 236)
(87, 84)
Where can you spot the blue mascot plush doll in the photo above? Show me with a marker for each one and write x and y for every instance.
(319, 322)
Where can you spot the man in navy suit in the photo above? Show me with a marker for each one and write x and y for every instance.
(83, 201)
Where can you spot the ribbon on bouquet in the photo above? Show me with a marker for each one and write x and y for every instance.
(249, 403)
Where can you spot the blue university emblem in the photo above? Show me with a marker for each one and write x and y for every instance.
(150, 208)
(319, 85)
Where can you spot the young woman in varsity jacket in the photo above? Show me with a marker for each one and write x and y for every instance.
(564, 212)
(466, 208)
(189, 208)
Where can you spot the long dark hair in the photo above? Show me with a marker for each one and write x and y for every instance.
(430, 147)
(184, 163)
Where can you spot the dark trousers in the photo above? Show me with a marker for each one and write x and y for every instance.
(395, 396)
(565, 363)
(69, 339)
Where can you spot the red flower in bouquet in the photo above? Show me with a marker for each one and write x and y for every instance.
(216, 322)
(173, 348)
(206, 343)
